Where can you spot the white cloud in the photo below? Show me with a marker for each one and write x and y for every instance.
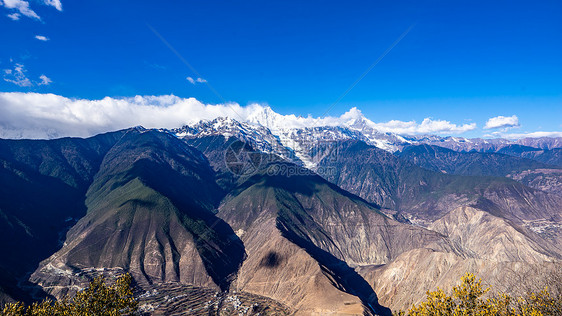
(14, 16)
(502, 122)
(54, 3)
(17, 76)
(427, 126)
(34, 115)
(41, 38)
(44, 80)
(354, 118)
(22, 7)
(530, 135)
(194, 81)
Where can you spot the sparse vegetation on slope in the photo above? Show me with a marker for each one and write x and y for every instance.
(469, 298)
(98, 299)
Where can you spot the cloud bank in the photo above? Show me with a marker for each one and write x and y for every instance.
(531, 135)
(42, 116)
(427, 126)
(502, 122)
(354, 118)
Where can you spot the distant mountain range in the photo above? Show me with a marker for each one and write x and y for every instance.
(222, 214)
(290, 137)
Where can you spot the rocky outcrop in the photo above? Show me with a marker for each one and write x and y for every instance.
(485, 245)
(548, 180)
(477, 234)
(406, 280)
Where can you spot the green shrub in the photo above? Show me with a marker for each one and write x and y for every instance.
(467, 299)
(98, 299)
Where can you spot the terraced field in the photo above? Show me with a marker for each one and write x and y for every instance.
(181, 299)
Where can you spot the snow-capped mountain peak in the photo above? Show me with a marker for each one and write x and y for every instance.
(264, 116)
(295, 138)
(355, 119)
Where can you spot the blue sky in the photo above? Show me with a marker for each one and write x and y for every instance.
(461, 61)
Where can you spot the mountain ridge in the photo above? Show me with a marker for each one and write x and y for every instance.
(208, 210)
(290, 136)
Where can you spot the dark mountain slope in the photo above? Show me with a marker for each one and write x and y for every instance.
(551, 157)
(74, 161)
(233, 160)
(150, 211)
(547, 178)
(528, 171)
(41, 197)
(518, 150)
(215, 148)
(467, 163)
(397, 184)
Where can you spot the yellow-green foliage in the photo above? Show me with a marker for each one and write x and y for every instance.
(541, 303)
(466, 299)
(98, 299)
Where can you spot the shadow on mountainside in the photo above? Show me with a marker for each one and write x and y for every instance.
(340, 274)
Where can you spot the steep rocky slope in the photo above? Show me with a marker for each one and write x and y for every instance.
(468, 163)
(529, 171)
(41, 197)
(426, 195)
(480, 239)
(211, 222)
(551, 157)
(477, 234)
(303, 237)
(488, 246)
(150, 211)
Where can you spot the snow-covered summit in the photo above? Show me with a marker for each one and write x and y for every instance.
(295, 138)
(258, 136)
(292, 137)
